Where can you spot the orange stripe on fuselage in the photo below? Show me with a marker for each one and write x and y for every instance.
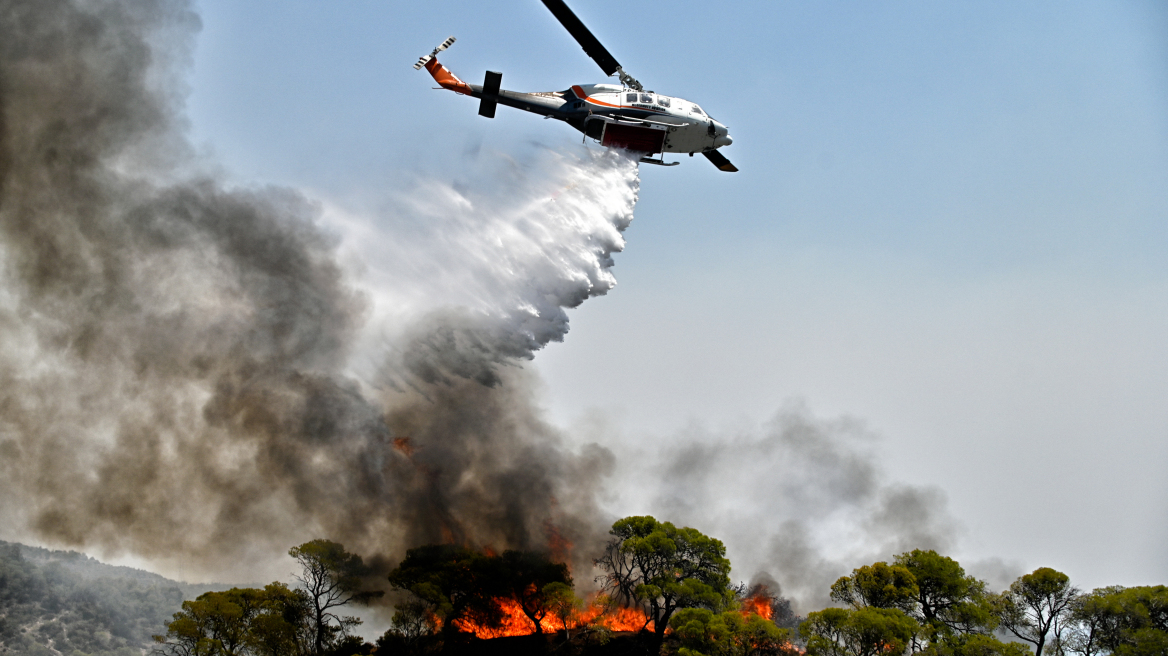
(446, 79)
(586, 98)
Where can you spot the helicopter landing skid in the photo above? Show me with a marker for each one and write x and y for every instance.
(658, 162)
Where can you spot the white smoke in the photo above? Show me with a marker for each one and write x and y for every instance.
(801, 499)
(508, 251)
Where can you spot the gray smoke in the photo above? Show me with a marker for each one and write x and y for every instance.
(802, 499)
(200, 373)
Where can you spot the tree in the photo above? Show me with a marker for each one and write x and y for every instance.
(973, 644)
(866, 631)
(525, 575)
(702, 632)
(412, 629)
(879, 585)
(949, 606)
(282, 626)
(452, 581)
(662, 568)
(1035, 604)
(1123, 621)
(332, 577)
(564, 605)
(948, 602)
(241, 622)
(1091, 620)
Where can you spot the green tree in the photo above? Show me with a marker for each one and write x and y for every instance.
(1123, 621)
(973, 644)
(525, 575)
(332, 578)
(948, 601)
(452, 581)
(702, 632)
(1035, 604)
(879, 585)
(662, 568)
(282, 626)
(564, 605)
(866, 631)
(1145, 613)
(1092, 617)
(272, 621)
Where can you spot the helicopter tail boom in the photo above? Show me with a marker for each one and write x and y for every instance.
(447, 79)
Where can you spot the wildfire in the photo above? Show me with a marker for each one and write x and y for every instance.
(516, 623)
(621, 619)
(759, 606)
(559, 546)
(404, 445)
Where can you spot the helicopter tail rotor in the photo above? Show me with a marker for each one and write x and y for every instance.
(422, 61)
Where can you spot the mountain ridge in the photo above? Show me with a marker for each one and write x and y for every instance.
(66, 603)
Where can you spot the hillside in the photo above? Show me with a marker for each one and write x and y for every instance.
(64, 603)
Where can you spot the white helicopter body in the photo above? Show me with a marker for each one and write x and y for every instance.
(619, 116)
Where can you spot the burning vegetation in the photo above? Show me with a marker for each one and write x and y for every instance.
(662, 586)
(663, 591)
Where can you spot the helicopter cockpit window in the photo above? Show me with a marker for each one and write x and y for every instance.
(632, 97)
(646, 98)
(696, 110)
(663, 101)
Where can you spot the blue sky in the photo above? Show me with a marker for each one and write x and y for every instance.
(951, 222)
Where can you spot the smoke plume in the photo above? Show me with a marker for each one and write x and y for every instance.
(196, 370)
(799, 501)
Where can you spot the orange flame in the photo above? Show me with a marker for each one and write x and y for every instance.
(621, 619)
(758, 606)
(404, 445)
(516, 623)
(559, 546)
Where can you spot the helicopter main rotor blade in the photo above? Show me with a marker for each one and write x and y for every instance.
(585, 38)
(719, 160)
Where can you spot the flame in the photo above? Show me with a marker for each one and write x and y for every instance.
(515, 623)
(404, 445)
(559, 546)
(758, 606)
(621, 619)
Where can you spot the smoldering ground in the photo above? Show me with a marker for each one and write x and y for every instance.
(198, 371)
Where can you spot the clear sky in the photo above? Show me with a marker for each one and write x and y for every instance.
(951, 224)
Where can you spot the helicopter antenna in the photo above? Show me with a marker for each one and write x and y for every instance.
(441, 46)
(588, 41)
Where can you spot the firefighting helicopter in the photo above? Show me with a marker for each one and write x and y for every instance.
(620, 116)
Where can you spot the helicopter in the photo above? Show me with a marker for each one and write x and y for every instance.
(621, 115)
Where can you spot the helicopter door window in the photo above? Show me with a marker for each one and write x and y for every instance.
(646, 98)
(632, 97)
(663, 101)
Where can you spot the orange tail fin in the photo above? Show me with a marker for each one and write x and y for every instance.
(445, 78)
